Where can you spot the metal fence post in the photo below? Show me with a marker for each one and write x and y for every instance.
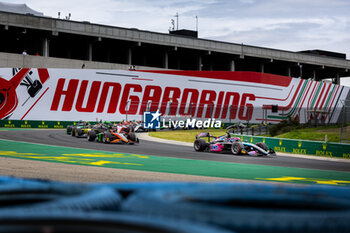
(126, 110)
(169, 112)
(263, 114)
(191, 110)
(248, 112)
(229, 113)
(342, 124)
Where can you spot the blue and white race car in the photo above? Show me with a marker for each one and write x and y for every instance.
(226, 143)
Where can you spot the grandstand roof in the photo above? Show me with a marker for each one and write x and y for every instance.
(19, 9)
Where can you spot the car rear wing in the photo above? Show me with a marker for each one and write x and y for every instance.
(202, 135)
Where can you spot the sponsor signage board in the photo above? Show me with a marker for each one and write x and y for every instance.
(116, 95)
(324, 149)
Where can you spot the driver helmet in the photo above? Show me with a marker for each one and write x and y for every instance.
(221, 138)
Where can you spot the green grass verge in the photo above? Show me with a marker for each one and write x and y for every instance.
(313, 134)
(318, 134)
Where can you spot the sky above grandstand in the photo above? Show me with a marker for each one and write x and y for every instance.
(292, 25)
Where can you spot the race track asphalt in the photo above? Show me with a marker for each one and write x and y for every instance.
(60, 138)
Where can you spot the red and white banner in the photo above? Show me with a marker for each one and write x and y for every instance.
(78, 94)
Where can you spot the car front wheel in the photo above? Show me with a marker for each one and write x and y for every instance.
(236, 148)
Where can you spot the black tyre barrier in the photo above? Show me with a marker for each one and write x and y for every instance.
(251, 207)
(99, 222)
(54, 195)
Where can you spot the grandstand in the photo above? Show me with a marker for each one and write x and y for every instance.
(63, 43)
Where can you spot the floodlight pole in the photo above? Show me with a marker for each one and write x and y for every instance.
(177, 20)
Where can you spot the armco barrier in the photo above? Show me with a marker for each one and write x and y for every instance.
(326, 149)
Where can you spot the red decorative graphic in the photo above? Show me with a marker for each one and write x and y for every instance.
(34, 104)
(241, 76)
(8, 96)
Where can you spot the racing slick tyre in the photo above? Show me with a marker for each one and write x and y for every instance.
(237, 148)
(130, 129)
(262, 145)
(107, 138)
(69, 129)
(132, 137)
(73, 131)
(200, 145)
(80, 132)
(91, 136)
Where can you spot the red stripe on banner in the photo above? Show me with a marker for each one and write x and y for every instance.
(312, 94)
(334, 94)
(295, 95)
(43, 74)
(268, 98)
(334, 97)
(35, 103)
(320, 96)
(318, 84)
(241, 76)
(325, 96)
(303, 97)
(15, 80)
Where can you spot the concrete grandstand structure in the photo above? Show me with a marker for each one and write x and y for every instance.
(64, 43)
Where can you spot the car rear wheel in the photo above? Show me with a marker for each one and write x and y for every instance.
(132, 138)
(80, 132)
(200, 145)
(73, 131)
(69, 129)
(262, 145)
(106, 138)
(91, 135)
(236, 148)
